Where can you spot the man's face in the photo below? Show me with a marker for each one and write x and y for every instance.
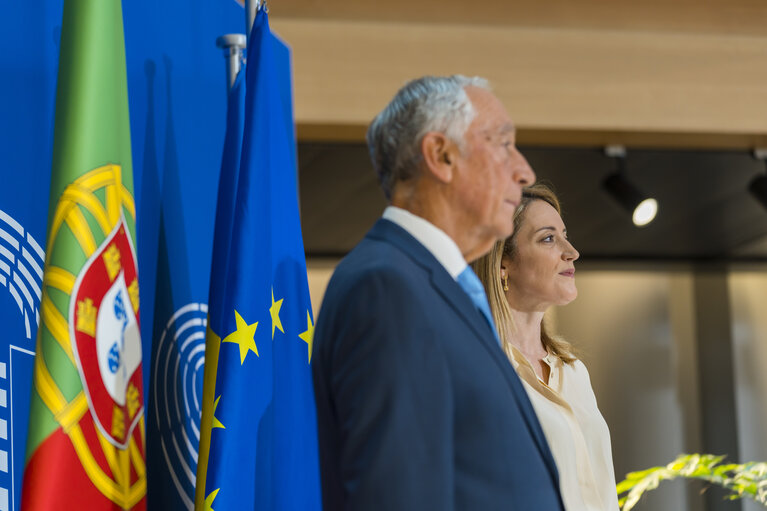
(490, 172)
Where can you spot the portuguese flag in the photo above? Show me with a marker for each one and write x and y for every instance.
(85, 448)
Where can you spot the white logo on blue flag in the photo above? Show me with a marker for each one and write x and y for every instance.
(177, 369)
(21, 274)
(21, 269)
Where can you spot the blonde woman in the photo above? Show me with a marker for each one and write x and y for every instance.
(525, 275)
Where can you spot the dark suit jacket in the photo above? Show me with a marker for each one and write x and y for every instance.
(417, 405)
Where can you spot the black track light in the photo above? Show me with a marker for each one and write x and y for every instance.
(642, 208)
(758, 185)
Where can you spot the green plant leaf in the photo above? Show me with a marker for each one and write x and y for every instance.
(742, 480)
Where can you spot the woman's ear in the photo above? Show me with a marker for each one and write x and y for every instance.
(504, 277)
(438, 155)
(505, 263)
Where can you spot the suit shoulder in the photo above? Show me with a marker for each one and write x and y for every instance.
(373, 261)
(375, 279)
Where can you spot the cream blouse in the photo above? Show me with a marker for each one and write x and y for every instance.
(576, 431)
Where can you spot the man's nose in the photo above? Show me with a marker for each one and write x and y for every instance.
(522, 172)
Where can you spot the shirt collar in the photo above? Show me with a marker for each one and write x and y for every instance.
(436, 241)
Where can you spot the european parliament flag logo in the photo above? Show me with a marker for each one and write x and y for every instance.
(262, 452)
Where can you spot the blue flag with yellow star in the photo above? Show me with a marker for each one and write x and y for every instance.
(262, 452)
(227, 190)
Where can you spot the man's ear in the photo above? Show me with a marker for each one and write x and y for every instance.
(439, 154)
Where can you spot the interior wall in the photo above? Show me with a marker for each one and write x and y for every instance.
(748, 298)
(623, 326)
(318, 273)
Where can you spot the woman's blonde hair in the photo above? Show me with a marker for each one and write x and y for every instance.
(488, 269)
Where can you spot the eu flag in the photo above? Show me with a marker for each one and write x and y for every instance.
(222, 237)
(263, 444)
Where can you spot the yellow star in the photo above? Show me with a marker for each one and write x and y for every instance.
(308, 336)
(244, 336)
(216, 422)
(209, 500)
(274, 310)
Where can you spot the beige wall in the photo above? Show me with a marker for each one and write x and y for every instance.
(627, 325)
(748, 292)
(318, 274)
(635, 329)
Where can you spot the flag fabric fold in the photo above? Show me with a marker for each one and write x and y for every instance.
(177, 355)
(86, 428)
(227, 189)
(262, 452)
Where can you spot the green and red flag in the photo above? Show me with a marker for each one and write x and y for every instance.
(85, 448)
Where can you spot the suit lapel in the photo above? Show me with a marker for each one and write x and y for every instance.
(441, 280)
(461, 303)
(454, 295)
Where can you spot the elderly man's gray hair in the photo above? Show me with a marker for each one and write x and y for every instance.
(431, 103)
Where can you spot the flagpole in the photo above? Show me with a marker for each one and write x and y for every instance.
(233, 46)
(251, 8)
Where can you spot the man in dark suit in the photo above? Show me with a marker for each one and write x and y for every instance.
(417, 405)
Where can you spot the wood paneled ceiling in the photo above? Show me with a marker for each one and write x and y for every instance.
(736, 17)
(657, 73)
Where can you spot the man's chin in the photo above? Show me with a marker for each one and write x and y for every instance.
(481, 248)
(506, 230)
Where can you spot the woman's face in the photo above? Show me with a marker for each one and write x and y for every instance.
(541, 272)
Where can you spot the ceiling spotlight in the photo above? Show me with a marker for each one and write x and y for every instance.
(642, 208)
(758, 185)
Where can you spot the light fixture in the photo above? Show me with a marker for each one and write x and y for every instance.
(642, 208)
(758, 185)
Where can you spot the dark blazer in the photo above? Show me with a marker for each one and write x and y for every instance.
(417, 405)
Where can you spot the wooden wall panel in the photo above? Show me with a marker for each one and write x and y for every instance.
(733, 17)
(553, 81)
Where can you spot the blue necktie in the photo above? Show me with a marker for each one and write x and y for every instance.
(470, 283)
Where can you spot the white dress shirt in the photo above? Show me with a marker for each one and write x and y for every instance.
(441, 246)
(575, 430)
